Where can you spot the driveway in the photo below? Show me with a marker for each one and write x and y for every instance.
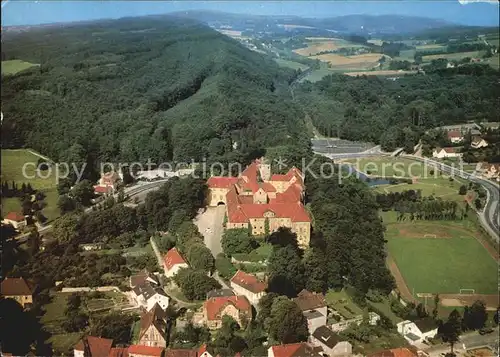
(210, 226)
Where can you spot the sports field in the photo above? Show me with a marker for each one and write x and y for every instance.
(15, 66)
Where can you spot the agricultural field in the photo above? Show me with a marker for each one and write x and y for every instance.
(15, 66)
(12, 170)
(321, 44)
(291, 64)
(379, 73)
(453, 56)
(359, 62)
(431, 47)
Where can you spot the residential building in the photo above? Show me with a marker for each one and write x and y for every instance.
(147, 296)
(455, 136)
(330, 342)
(15, 219)
(373, 318)
(220, 293)
(442, 153)
(248, 285)
(203, 351)
(173, 262)
(19, 290)
(91, 246)
(262, 201)
(301, 349)
(462, 128)
(145, 351)
(491, 125)
(313, 307)
(490, 170)
(238, 307)
(396, 352)
(118, 352)
(107, 183)
(181, 352)
(91, 346)
(142, 278)
(417, 331)
(153, 327)
(477, 142)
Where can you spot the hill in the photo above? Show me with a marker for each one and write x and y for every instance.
(138, 88)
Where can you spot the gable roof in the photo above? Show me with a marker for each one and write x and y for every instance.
(454, 134)
(145, 350)
(15, 287)
(307, 300)
(449, 150)
(14, 216)
(214, 306)
(293, 350)
(241, 213)
(118, 352)
(221, 182)
(97, 346)
(326, 336)
(103, 189)
(142, 278)
(248, 282)
(156, 317)
(148, 291)
(396, 352)
(172, 258)
(178, 352)
(426, 324)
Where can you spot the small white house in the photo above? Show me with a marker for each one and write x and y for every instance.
(173, 262)
(417, 331)
(445, 153)
(248, 285)
(330, 342)
(478, 142)
(148, 296)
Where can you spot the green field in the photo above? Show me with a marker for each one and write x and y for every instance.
(451, 261)
(291, 64)
(12, 170)
(342, 302)
(15, 66)
(453, 56)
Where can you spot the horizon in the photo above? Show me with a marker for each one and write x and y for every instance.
(32, 13)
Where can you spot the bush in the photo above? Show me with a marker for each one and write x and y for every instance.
(224, 266)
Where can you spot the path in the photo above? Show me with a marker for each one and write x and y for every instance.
(400, 281)
(157, 254)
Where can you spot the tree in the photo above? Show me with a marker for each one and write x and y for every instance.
(462, 190)
(115, 326)
(436, 306)
(65, 227)
(195, 284)
(284, 237)
(83, 192)
(496, 317)
(66, 204)
(451, 329)
(286, 273)
(265, 306)
(200, 257)
(478, 204)
(476, 316)
(314, 270)
(287, 324)
(235, 241)
(227, 343)
(33, 241)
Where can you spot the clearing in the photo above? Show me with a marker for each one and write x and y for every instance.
(364, 61)
(12, 67)
(291, 64)
(321, 44)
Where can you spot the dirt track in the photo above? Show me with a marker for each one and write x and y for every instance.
(400, 281)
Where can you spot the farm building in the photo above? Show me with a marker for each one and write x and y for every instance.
(15, 219)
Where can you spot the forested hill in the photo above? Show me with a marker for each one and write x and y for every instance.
(139, 88)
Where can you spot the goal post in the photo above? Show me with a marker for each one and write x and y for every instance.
(467, 291)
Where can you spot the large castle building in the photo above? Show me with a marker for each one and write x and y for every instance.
(256, 199)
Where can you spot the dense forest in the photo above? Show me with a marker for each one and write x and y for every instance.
(396, 113)
(139, 88)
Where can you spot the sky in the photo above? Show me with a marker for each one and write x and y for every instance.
(33, 12)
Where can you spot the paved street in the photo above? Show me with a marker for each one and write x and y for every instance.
(210, 225)
(470, 340)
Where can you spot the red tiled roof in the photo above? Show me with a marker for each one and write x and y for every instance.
(221, 182)
(102, 189)
(288, 350)
(202, 349)
(454, 134)
(248, 282)
(145, 350)
(15, 287)
(449, 150)
(118, 352)
(396, 352)
(99, 347)
(172, 258)
(307, 300)
(15, 216)
(266, 186)
(215, 305)
(243, 212)
(181, 353)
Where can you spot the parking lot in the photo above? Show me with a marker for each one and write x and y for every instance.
(339, 146)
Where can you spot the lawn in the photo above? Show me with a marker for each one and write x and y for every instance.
(385, 307)
(291, 64)
(257, 255)
(452, 261)
(342, 302)
(15, 66)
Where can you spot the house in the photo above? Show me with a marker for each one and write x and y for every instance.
(491, 125)
(153, 327)
(373, 318)
(262, 201)
(15, 219)
(490, 170)
(220, 293)
(107, 183)
(238, 307)
(91, 246)
(313, 307)
(118, 352)
(142, 278)
(477, 142)
(203, 351)
(145, 351)
(417, 331)
(172, 262)
(301, 349)
(19, 290)
(91, 346)
(396, 352)
(330, 342)
(181, 352)
(442, 153)
(147, 296)
(455, 136)
(248, 285)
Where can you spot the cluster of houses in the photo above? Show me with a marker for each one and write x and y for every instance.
(456, 136)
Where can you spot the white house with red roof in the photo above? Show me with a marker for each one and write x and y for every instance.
(301, 349)
(248, 285)
(107, 183)
(145, 351)
(173, 262)
(259, 200)
(455, 136)
(442, 153)
(237, 307)
(15, 219)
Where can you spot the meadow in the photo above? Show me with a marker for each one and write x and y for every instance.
(12, 67)
(291, 64)
(453, 56)
(359, 62)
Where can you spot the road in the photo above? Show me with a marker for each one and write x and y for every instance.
(210, 224)
(470, 340)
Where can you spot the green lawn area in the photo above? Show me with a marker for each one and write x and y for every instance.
(15, 66)
(291, 64)
(494, 61)
(391, 167)
(452, 261)
(257, 255)
(432, 47)
(385, 308)
(453, 56)
(342, 302)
